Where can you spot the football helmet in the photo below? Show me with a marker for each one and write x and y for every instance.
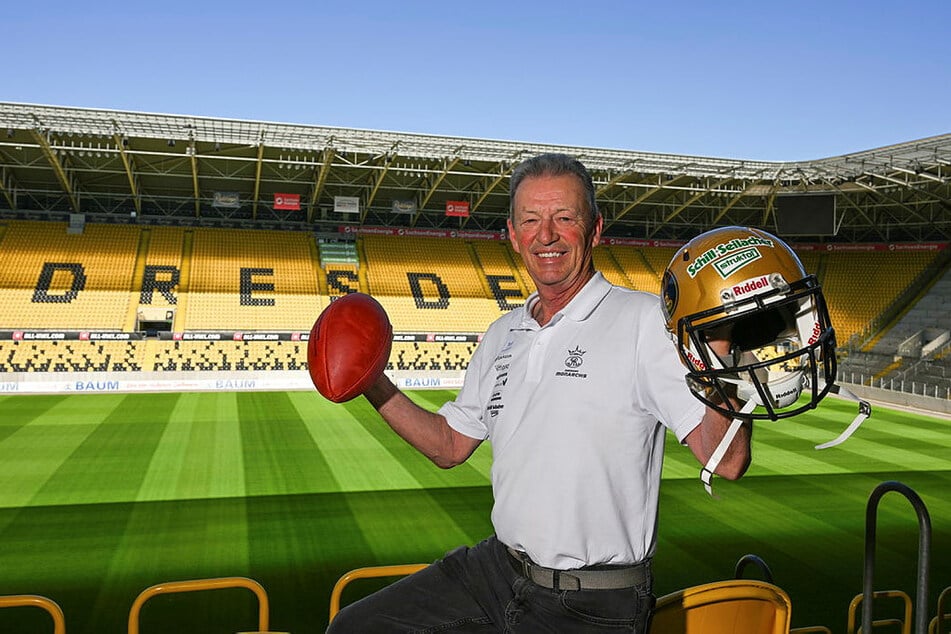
(747, 287)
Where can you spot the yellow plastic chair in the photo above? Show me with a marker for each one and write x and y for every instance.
(37, 601)
(369, 572)
(724, 607)
(943, 615)
(193, 585)
(904, 623)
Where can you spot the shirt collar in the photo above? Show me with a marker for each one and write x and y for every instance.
(580, 306)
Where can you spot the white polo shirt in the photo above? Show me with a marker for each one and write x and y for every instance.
(575, 412)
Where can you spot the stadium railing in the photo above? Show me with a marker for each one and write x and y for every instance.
(943, 613)
(193, 585)
(38, 601)
(368, 572)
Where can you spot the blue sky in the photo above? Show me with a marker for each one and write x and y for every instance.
(748, 80)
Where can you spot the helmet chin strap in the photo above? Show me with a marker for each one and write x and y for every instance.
(865, 410)
(706, 474)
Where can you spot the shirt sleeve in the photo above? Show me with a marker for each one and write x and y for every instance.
(662, 383)
(466, 413)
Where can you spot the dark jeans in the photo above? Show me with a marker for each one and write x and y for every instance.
(477, 590)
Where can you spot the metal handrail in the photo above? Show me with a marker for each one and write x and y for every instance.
(924, 552)
(193, 585)
(35, 600)
(745, 560)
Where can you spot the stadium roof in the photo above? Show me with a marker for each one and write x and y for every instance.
(146, 167)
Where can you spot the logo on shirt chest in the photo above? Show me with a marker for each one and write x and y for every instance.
(573, 363)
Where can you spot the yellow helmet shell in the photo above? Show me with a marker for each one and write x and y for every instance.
(722, 266)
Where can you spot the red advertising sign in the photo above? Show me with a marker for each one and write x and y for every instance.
(457, 208)
(287, 201)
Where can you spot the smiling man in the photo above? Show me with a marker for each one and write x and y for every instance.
(555, 229)
(575, 390)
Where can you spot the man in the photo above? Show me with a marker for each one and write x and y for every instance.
(574, 390)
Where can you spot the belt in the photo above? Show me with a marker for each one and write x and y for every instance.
(604, 578)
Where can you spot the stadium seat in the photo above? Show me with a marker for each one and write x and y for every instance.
(50, 279)
(369, 572)
(724, 607)
(855, 298)
(904, 623)
(35, 600)
(752, 560)
(610, 267)
(943, 614)
(245, 279)
(193, 585)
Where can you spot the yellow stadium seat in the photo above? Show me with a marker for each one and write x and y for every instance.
(903, 623)
(724, 607)
(369, 572)
(35, 600)
(252, 280)
(50, 279)
(193, 585)
(855, 298)
(943, 614)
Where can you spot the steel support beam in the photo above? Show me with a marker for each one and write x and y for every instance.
(129, 167)
(62, 175)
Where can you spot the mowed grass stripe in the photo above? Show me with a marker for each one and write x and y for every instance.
(19, 411)
(419, 525)
(110, 463)
(924, 436)
(170, 541)
(891, 441)
(420, 467)
(279, 453)
(807, 528)
(35, 445)
(821, 573)
(200, 453)
(299, 545)
(62, 552)
(870, 450)
(354, 456)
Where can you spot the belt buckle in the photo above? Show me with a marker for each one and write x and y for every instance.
(524, 562)
(526, 566)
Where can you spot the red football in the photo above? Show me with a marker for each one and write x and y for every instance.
(349, 346)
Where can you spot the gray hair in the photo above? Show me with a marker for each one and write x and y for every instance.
(553, 164)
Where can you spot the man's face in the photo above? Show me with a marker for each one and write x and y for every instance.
(552, 230)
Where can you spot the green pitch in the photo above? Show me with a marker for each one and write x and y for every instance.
(102, 496)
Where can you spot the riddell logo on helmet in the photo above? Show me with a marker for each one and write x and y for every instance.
(816, 331)
(692, 358)
(751, 286)
(791, 392)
